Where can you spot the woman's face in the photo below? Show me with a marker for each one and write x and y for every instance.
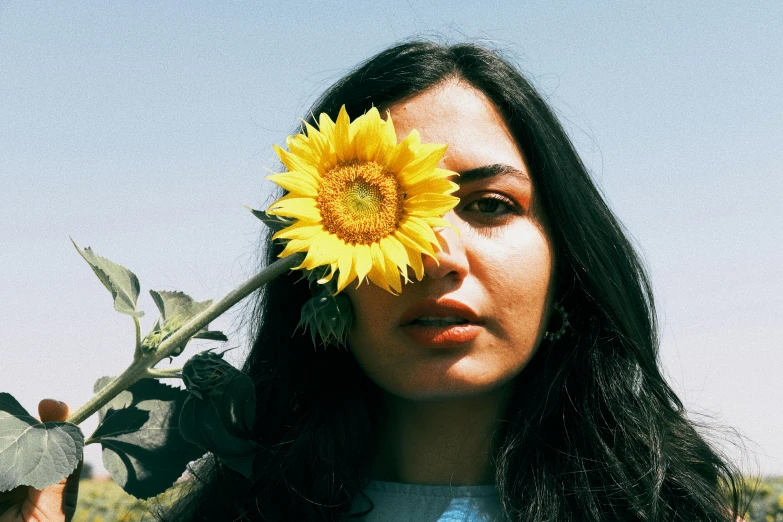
(496, 273)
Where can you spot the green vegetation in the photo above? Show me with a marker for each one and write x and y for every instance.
(105, 501)
(767, 503)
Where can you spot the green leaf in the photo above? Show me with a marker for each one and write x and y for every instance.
(203, 422)
(121, 282)
(121, 400)
(34, 453)
(143, 449)
(177, 306)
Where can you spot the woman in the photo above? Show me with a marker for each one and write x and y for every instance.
(547, 403)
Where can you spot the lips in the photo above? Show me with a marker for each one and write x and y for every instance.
(439, 308)
(440, 323)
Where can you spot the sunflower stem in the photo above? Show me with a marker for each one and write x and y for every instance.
(189, 329)
(141, 367)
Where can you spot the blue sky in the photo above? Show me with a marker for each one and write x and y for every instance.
(140, 129)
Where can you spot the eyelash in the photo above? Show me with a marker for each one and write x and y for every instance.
(491, 217)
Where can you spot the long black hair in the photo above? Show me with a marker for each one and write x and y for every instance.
(593, 431)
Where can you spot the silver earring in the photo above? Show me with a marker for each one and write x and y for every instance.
(554, 336)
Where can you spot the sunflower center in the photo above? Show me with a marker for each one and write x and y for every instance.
(359, 202)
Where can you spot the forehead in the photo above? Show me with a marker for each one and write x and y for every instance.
(461, 116)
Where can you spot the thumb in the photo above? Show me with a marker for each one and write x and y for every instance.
(50, 410)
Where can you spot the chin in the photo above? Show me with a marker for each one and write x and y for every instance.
(455, 383)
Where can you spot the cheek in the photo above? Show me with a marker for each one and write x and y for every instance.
(370, 340)
(519, 263)
(517, 278)
(371, 306)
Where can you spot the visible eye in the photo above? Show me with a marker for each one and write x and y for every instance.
(491, 208)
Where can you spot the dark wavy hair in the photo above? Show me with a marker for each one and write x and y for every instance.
(592, 433)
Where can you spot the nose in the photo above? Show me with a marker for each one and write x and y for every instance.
(452, 260)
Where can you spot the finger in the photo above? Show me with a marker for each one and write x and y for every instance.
(58, 501)
(46, 503)
(50, 410)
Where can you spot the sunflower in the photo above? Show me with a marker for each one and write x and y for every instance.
(365, 205)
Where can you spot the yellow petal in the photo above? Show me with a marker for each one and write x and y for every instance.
(298, 183)
(363, 259)
(321, 147)
(427, 158)
(395, 252)
(328, 277)
(313, 134)
(404, 152)
(393, 276)
(342, 137)
(384, 272)
(430, 204)
(446, 174)
(300, 208)
(346, 271)
(293, 246)
(299, 145)
(436, 222)
(416, 227)
(283, 198)
(326, 126)
(376, 277)
(387, 142)
(297, 231)
(377, 273)
(415, 243)
(366, 133)
(296, 164)
(322, 252)
(436, 185)
(415, 263)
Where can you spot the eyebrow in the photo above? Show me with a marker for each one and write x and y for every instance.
(488, 171)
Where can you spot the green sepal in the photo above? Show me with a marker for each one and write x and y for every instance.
(275, 223)
(121, 282)
(211, 335)
(34, 453)
(328, 316)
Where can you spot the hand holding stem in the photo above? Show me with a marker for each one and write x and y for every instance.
(55, 503)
